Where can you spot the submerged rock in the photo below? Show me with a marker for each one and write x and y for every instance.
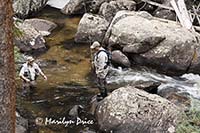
(23, 8)
(91, 28)
(43, 26)
(128, 110)
(163, 45)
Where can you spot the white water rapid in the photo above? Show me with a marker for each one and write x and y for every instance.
(187, 83)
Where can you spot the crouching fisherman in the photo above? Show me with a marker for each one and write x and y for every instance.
(100, 63)
(29, 73)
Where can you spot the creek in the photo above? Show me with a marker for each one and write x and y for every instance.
(69, 81)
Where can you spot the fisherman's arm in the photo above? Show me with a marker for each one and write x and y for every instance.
(41, 72)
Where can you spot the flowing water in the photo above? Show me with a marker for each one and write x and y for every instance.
(186, 84)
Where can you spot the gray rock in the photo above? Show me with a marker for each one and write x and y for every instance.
(23, 8)
(82, 6)
(128, 110)
(172, 55)
(163, 13)
(74, 7)
(91, 28)
(148, 86)
(144, 45)
(43, 26)
(119, 58)
(21, 124)
(194, 67)
(108, 10)
(94, 5)
(168, 14)
(173, 94)
(27, 38)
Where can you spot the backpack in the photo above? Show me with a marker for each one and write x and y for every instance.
(109, 55)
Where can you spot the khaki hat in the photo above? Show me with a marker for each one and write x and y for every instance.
(95, 44)
(30, 59)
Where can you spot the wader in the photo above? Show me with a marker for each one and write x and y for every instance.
(28, 88)
(101, 83)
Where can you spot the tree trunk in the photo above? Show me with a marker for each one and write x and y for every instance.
(7, 69)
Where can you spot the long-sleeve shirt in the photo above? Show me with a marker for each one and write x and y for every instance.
(100, 61)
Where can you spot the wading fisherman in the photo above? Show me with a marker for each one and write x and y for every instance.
(29, 73)
(101, 65)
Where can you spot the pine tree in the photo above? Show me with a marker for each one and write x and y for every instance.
(7, 69)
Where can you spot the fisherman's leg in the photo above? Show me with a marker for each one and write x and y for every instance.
(102, 87)
(32, 87)
(105, 93)
(25, 88)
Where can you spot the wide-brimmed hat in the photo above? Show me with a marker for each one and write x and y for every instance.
(95, 44)
(30, 59)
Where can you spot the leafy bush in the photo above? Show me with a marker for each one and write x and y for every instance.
(191, 122)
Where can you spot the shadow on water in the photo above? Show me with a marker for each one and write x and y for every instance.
(68, 82)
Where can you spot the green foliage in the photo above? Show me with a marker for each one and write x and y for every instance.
(191, 122)
(17, 54)
(17, 32)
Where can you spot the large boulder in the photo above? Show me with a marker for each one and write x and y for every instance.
(23, 8)
(109, 9)
(128, 110)
(91, 28)
(160, 44)
(27, 38)
(43, 26)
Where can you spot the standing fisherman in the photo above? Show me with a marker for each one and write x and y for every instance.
(29, 73)
(101, 66)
